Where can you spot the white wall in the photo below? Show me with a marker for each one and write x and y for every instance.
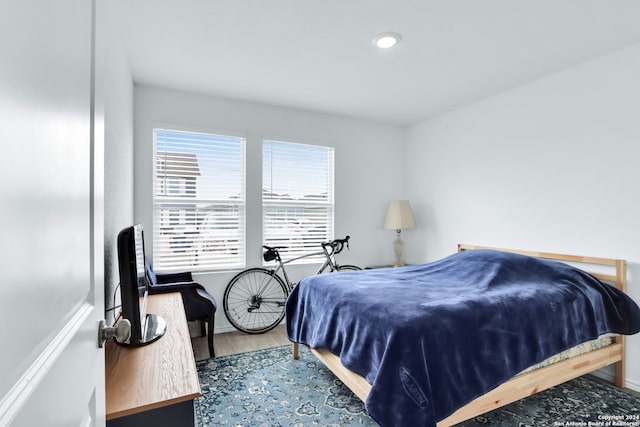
(118, 157)
(552, 166)
(369, 162)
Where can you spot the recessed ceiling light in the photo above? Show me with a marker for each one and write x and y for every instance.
(387, 40)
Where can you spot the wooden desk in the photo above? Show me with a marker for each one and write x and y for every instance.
(154, 384)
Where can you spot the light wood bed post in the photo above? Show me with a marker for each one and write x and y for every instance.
(621, 283)
(294, 350)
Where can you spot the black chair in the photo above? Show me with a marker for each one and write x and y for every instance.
(198, 303)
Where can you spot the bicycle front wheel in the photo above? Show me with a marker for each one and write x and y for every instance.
(349, 268)
(254, 300)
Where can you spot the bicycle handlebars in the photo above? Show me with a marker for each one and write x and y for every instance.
(337, 245)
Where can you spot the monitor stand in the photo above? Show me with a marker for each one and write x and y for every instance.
(155, 327)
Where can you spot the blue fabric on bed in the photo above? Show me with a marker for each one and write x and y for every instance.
(433, 337)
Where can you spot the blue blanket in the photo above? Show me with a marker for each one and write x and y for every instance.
(433, 337)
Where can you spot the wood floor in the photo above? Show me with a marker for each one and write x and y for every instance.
(239, 342)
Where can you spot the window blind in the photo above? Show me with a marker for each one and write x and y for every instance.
(198, 201)
(297, 196)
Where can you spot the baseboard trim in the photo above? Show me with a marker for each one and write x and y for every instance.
(633, 385)
(224, 329)
(610, 377)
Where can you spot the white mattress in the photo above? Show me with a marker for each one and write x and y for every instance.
(586, 347)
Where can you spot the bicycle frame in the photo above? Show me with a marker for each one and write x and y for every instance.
(328, 262)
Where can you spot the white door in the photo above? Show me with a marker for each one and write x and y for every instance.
(51, 178)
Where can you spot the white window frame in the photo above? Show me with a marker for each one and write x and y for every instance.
(206, 198)
(303, 217)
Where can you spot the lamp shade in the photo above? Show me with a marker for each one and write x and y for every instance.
(399, 215)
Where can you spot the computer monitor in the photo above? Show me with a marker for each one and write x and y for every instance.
(145, 327)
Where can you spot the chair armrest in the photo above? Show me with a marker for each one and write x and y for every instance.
(198, 303)
(205, 296)
(174, 287)
(174, 277)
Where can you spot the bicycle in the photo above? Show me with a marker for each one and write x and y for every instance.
(254, 300)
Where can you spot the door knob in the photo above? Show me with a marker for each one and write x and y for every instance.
(121, 331)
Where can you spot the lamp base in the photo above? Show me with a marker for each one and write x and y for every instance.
(398, 247)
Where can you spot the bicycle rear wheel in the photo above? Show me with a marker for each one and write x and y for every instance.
(349, 268)
(254, 300)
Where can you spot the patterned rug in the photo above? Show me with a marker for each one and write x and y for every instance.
(268, 388)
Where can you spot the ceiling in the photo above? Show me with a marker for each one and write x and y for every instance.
(318, 55)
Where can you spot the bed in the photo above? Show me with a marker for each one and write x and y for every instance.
(446, 341)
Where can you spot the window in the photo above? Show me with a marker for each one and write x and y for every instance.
(198, 201)
(297, 196)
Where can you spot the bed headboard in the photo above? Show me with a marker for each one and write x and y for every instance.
(617, 267)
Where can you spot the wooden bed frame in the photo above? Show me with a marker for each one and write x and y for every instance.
(529, 383)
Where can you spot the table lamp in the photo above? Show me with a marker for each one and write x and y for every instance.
(399, 217)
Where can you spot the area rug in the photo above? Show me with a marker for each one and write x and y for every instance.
(268, 388)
